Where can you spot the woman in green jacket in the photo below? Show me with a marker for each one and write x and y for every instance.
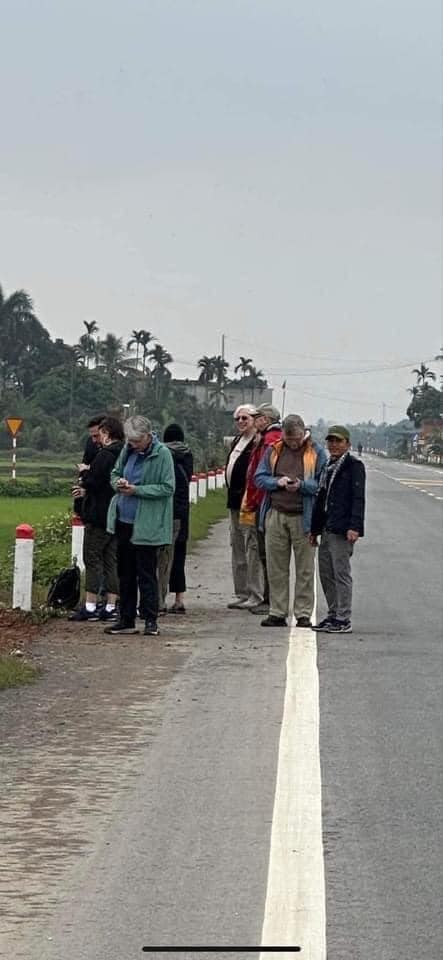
(141, 515)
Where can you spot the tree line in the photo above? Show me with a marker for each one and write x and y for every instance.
(56, 386)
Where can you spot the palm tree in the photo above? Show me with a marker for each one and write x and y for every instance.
(88, 339)
(220, 368)
(160, 372)
(256, 379)
(112, 355)
(423, 373)
(245, 367)
(145, 339)
(137, 340)
(207, 374)
(88, 348)
(218, 394)
(20, 330)
(13, 310)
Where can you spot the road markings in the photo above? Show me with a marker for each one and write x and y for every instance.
(419, 485)
(295, 913)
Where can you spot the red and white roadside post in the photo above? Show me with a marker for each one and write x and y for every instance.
(211, 480)
(193, 489)
(78, 533)
(220, 478)
(202, 484)
(23, 559)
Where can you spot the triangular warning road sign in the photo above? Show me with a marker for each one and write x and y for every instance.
(13, 424)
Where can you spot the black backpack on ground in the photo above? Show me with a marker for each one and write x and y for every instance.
(65, 589)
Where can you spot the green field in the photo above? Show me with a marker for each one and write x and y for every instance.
(53, 553)
(33, 510)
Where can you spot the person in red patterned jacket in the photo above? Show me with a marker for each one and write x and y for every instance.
(269, 431)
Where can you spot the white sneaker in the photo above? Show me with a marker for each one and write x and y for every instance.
(250, 603)
(237, 604)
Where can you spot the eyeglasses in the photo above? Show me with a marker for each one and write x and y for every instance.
(241, 418)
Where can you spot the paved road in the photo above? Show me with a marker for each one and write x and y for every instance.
(173, 844)
(381, 731)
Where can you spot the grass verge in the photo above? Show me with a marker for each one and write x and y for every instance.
(14, 672)
(27, 510)
(205, 513)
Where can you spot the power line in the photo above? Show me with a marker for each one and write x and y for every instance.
(268, 348)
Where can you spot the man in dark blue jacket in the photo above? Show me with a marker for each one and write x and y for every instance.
(338, 515)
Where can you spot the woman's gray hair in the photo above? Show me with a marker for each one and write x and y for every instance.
(248, 408)
(137, 427)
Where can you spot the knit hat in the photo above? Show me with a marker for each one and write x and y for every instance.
(173, 432)
(267, 410)
(340, 433)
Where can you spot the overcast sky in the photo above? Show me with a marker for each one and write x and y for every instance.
(270, 169)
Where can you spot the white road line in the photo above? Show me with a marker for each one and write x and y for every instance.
(295, 912)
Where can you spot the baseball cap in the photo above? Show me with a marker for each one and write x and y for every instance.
(341, 433)
(267, 410)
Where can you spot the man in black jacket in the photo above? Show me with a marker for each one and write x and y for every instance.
(99, 546)
(338, 515)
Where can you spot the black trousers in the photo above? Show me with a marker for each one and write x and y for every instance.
(177, 579)
(137, 572)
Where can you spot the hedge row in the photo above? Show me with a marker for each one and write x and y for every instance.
(42, 487)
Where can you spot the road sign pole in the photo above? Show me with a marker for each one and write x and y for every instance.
(14, 424)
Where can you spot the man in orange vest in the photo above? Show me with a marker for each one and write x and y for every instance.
(290, 473)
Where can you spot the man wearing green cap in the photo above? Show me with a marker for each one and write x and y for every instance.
(338, 515)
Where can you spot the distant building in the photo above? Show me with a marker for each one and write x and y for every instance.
(234, 393)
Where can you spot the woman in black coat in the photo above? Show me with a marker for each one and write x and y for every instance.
(99, 546)
(171, 559)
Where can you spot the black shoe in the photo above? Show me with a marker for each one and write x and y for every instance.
(272, 621)
(85, 616)
(178, 608)
(108, 616)
(324, 624)
(121, 627)
(339, 626)
(151, 629)
(259, 608)
(304, 622)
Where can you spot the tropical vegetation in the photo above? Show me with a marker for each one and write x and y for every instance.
(56, 386)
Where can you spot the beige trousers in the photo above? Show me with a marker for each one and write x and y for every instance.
(284, 532)
(247, 570)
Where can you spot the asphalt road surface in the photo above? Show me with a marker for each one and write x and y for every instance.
(181, 801)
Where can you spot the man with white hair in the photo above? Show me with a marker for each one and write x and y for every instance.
(141, 514)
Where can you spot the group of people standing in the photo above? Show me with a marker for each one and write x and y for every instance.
(133, 496)
(284, 490)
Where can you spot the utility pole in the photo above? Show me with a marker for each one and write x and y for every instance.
(283, 386)
(223, 347)
(383, 413)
